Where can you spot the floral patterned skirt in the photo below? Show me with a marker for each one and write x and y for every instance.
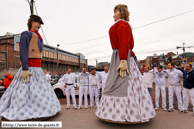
(136, 106)
(33, 100)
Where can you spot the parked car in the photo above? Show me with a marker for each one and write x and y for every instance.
(54, 79)
(1, 85)
(2, 78)
(60, 89)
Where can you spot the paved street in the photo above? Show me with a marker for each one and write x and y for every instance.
(86, 119)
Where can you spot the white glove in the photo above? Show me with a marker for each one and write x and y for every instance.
(123, 68)
(25, 76)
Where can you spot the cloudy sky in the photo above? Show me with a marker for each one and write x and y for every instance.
(69, 22)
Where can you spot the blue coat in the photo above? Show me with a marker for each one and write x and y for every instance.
(24, 43)
(188, 79)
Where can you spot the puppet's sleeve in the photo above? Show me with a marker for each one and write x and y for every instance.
(24, 43)
(124, 41)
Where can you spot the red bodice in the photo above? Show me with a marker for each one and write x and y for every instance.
(121, 38)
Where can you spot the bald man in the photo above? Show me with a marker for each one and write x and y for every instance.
(103, 77)
(148, 78)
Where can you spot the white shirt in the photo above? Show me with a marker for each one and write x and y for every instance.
(68, 78)
(93, 80)
(103, 77)
(148, 79)
(48, 76)
(97, 81)
(160, 78)
(174, 77)
(83, 79)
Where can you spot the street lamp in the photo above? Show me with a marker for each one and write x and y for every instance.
(57, 58)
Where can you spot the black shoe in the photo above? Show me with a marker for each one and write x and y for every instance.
(170, 110)
(185, 111)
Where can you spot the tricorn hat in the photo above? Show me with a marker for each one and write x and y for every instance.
(36, 18)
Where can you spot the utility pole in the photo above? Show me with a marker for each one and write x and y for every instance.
(32, 7)
(79, 62)
(96, 63)
(31, 4)
(57, 59)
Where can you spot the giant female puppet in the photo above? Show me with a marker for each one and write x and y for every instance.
(125, 98)
(30, 95)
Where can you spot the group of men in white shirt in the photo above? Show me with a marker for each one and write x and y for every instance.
(85, 83)
(174, 80)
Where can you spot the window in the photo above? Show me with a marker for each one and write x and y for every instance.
(55, 55)
(17, 46)
(43, 52)
(48, 54)
(59, 56)
(66, 58)
(51, 54)
(63, 57)
(3, 56)
(161, 62)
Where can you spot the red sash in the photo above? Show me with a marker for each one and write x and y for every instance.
(34, 62)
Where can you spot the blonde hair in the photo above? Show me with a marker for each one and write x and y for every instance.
(123, 10)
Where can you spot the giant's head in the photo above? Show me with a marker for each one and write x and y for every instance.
(34, 22)
(121, 12)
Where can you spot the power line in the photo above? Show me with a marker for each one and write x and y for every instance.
(164, 19)
(41, 26)
(133, 28)
(85, 40)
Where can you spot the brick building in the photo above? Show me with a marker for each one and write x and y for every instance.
(183, 58)
(141, 63)
(161, 58)
(101, 65)
(9, 56)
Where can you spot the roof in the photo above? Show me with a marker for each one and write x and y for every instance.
(9, 35)
(184, 55)
(102, 63)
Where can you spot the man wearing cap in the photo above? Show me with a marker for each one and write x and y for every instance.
(94, 87)
(30, 96)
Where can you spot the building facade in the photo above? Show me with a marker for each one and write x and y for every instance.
(9, 56)
(160, 59)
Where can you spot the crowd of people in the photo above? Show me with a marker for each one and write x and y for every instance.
(86, 83)
(174, 75)
(125, 97)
